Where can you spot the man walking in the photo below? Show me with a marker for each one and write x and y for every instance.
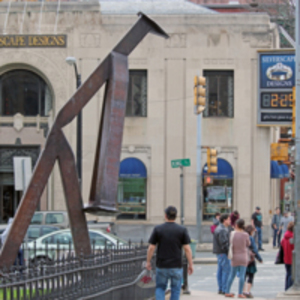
(220, 248)
(169, 239)
(257, 223)
(276, 228)
(285, 220)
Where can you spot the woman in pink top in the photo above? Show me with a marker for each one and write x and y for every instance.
(240, 242)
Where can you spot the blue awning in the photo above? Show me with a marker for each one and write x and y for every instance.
(132, 168)
(224, 170)
(279, 171)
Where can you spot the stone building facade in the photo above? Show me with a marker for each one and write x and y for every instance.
(160, 125)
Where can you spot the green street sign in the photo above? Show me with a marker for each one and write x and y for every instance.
(177, 163)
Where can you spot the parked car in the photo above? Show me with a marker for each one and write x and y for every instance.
(61, 219)
(56, 244)
(36, 231)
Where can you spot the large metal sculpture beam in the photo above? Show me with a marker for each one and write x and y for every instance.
(114, 72)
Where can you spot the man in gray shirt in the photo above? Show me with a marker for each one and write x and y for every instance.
(285, 220)
(276, 222)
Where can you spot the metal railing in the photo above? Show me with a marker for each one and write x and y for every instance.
(110, 273)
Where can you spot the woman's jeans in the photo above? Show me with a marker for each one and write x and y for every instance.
(288, 277)
(162, 278)
(242, 272)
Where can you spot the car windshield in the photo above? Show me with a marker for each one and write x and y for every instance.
(118, 239)
(37, 219)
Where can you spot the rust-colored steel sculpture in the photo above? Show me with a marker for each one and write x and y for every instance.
(114, 72)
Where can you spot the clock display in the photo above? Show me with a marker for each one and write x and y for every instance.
(276, 100)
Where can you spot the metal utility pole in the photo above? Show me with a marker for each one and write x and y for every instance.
(199, 180)
(181, 196)
(295, 289)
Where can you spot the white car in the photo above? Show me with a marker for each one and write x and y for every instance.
(60, 243)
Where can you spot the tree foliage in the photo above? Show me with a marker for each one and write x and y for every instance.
(282, 12)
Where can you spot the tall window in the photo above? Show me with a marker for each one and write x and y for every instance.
(24, 92)
(137, 94)
(220, 94)
(132, 195)
(218, 194)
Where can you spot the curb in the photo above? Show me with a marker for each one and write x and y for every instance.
(203, 261)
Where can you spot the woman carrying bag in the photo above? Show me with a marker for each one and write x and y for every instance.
(238, 253)
(251, 269)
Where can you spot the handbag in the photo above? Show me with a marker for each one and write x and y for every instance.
(230, 252)
(279, 257)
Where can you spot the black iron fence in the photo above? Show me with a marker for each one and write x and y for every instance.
(109, 273)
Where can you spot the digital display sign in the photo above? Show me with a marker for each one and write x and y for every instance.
(275, 100)
(276, 78)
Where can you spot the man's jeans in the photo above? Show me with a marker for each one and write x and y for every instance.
(276, 237)
(259, 237)
(162, 277)
(223, 272)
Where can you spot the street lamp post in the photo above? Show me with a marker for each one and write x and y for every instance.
(72, 62)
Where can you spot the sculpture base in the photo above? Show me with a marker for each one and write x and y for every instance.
(100, 210)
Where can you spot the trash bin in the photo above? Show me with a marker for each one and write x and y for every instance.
(193, 245)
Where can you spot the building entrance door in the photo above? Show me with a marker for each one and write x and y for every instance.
(9, 201)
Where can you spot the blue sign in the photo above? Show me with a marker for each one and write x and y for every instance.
(277, 71)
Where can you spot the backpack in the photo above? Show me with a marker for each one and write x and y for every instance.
(213, 228)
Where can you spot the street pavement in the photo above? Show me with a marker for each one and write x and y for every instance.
(268, 281)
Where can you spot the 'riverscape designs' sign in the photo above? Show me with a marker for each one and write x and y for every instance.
(33, 41)
(276, 79)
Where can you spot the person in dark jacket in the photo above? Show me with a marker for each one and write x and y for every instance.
(276, 221)
(220, 248)
(288, 248)
(251, 269)
(216, 222)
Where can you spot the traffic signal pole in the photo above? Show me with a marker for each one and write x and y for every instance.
(199, 181)
(295, 289)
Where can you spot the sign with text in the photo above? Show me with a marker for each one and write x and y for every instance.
(33, 41)
(177, 163)
(279, 151)
(276, 78)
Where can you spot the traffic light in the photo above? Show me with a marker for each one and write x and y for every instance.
(294, 113)
(199, 94)
(212, 161)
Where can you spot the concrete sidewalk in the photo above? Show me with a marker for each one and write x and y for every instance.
(196, 295)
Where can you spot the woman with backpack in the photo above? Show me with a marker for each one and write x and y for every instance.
(238, 253)
(251, 268)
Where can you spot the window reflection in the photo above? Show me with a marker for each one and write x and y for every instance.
(24, 92)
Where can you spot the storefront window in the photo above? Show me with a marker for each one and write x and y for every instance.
(218, 190)
(217, 198)
(132, 197)
(24, 92)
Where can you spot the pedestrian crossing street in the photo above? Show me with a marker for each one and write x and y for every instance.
(268, 281)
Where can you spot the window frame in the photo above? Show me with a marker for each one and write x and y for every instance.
(42, 89)
(129, 94)
(218, 73)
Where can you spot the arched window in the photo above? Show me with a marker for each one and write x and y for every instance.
(132, 199)
(24, 92)
(217, 190)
